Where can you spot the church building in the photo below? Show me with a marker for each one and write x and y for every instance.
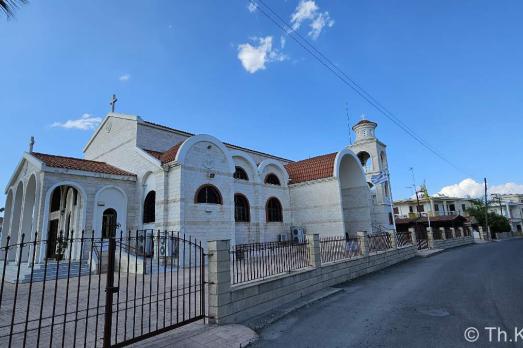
(138, 175)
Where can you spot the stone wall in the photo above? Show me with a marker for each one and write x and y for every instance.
(452, 243)
(237, 303)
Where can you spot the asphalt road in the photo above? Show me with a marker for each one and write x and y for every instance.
(424, 302)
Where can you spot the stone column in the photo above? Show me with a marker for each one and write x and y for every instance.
(219, 276)
(442, 232)
(430, 238)
(394, 240)
(313, 242)
(364, 243)
(453, 231)
(412, 231)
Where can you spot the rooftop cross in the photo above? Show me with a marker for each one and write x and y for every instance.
(113, 102)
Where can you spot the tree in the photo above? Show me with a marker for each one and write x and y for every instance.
(8, 6)
(496, 222)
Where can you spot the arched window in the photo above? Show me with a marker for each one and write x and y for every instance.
(383, 158)
(208, 194)
(273, 210)
(56, 199)
(149, 208)
(272, 179)
(240, 174)
(365, 160)
(241, 208)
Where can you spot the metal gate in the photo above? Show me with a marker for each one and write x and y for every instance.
(421, 237)
(99, 292)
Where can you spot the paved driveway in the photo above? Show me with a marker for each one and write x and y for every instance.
(425, 302)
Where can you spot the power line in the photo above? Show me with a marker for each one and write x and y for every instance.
(344, 77)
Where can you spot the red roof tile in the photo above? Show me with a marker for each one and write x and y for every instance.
(167, 156)
(311, 169)
(79, 164)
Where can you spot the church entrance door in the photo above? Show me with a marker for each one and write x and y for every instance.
(52, 236)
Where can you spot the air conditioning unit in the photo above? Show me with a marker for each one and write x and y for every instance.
(298, 234)
(284, 237)
(168, 246)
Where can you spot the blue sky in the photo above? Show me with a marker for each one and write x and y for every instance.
(451, 70)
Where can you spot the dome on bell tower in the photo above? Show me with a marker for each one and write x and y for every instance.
(364, 130)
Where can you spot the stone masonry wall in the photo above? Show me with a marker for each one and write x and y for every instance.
(452, 243)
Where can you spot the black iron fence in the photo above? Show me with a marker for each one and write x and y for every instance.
(379, 242)
(436, 234)
(261, 260)
(403, 238)
(448, 233)
(88, 291)
(339, 248)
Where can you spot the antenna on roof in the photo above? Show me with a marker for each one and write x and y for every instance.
(348, 121)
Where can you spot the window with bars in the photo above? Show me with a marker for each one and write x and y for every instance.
(240, 174)
(208, 194)
(272, 179)
(241, 208)
(274, 210)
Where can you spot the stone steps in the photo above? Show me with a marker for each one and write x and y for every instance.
(53, 271)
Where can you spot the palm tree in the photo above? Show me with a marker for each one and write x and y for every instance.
(8, 6)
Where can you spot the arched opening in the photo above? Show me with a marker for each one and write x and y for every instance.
(272, 179)
(109, 223)
(383, 159)
(273, 210)
(16, 218)
(386, 189)
(240, 174)
(208, 194)
(241, 208)
(355, 196)
(149, 208)
(365, 160)
(63, 221)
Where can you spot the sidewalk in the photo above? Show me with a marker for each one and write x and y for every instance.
(198, 335)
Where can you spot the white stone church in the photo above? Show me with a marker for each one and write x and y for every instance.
(138, 175)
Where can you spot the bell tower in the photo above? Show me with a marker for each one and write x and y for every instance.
(372, 154)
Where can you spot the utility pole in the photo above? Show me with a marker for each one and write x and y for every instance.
(486, 208)
(415, 190)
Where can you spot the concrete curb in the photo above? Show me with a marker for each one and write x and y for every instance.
(266, 319)
(429, 252)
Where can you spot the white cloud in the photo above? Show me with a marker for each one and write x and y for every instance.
(307, 10)
(471, 188)
(252, 7)
(125, 77)
(85, 122)
(254, 58)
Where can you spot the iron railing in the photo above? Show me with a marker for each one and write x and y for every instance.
(379, 242)
(261, 260)
(89, 291)
(339, 248)
(403, 238)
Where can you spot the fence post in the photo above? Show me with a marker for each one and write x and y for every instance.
(442, 232)
(364, 243)
(453, 230)
(393, 240)
(412, 231)
(110, 289)
(219, 275)
(313, 243)
(430, 238)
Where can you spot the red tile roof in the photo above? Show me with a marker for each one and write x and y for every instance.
(311, 169)
(167, 156)
(79, 164)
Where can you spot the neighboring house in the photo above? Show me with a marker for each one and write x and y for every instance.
(437, 205)
(137, 175)
(511, 207)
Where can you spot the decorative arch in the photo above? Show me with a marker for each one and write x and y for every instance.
(278, 165)
(17, 213)
(383, 160)
(272, 179)
(27, 222)
(365, 160)
(252, 165)
(356, 168)
(190, 142)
